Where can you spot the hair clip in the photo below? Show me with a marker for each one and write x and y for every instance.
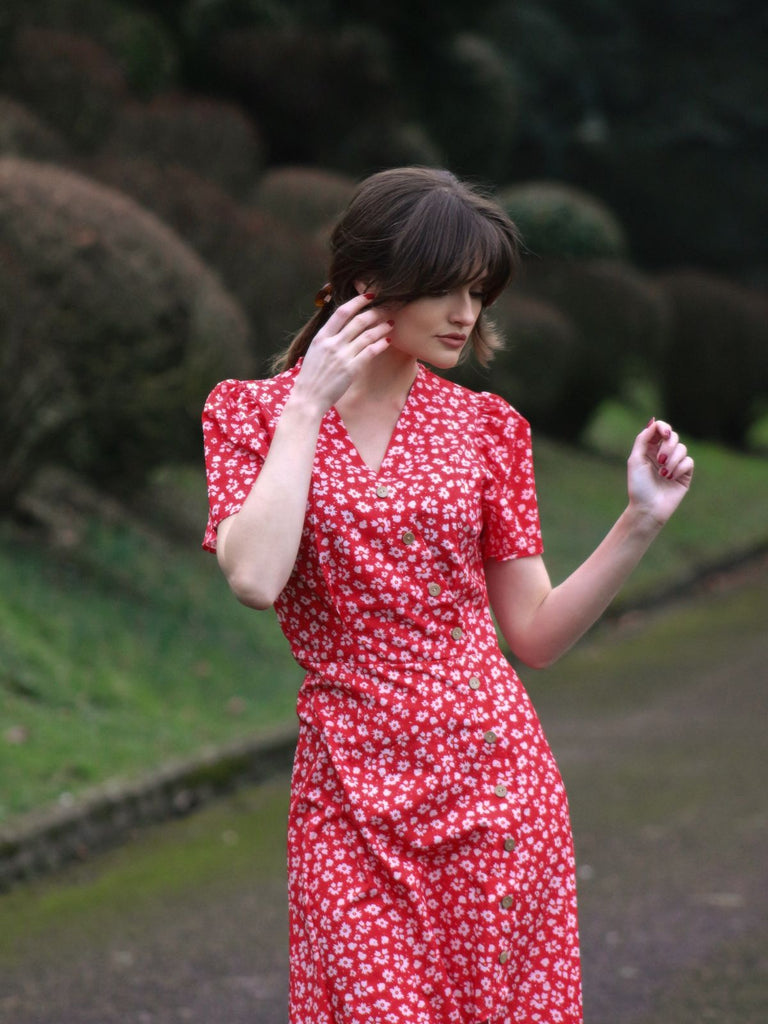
(323, 297)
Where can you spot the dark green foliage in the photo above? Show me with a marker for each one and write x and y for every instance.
(110, 325)
(24, 134)
(557, 220)
(70, 81)
(274, 268)
(210, 137)
(137, 39)
(304, 197)
(715, 380)
(309, 91)
(532, 371)
(619, 320)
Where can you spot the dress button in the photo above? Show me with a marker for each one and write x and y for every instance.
(457, 633)
(501, 790)
(509, 844)
(474, 683)
(434, 589)
(504, 956)
(490, 736)
(382, 491)
(507, 902)
(409, 537)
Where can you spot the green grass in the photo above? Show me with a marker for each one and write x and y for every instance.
(125, 649)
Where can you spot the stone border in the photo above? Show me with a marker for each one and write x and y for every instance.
(43, 841)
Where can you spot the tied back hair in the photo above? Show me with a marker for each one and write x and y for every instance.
(410, 232)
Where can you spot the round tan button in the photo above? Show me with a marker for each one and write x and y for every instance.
(504, 956)
(509, 844)
(408, 537)
(507, 902)
(382, 491)
(501, 791)
(434, 589)
(490, 736)
(474, 683)
(457, 633)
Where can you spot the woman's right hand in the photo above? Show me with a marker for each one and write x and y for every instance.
(353, 335)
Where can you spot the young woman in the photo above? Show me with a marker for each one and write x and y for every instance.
(384, 511)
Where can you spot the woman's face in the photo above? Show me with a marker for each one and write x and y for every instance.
(436, 328)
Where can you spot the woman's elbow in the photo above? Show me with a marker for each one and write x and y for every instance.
(252, 593)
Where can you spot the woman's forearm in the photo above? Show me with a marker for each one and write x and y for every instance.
(572, 607)
(257, 547)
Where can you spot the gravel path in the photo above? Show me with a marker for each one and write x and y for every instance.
(659, 726)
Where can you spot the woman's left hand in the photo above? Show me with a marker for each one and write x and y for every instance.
(659, 471)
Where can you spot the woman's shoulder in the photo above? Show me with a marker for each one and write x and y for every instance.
(244, 397)
(491, 412)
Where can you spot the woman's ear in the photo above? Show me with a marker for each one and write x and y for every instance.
(364, 286)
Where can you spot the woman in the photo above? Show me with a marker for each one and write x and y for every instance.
(381, 508)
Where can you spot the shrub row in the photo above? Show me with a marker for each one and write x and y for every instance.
(111, 331)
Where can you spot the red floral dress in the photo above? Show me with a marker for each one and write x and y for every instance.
(431, 872)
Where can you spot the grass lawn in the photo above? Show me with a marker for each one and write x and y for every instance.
(123, 649)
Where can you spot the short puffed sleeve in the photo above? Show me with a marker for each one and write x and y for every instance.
(511, 527)
(236, 441)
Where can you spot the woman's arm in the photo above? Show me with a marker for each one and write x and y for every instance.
(257, 546)
(540, 622)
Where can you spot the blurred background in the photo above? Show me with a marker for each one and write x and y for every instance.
(168, 176)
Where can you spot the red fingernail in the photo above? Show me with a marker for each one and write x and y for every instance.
(369, 295)
(662, 459)
(391, 323)
(650, 422)
(663, 472)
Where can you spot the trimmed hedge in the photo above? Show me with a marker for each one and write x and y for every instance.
(273, 268)
(68, 80)
(307, 198)
(715, 370)
(558, 220)
(112, 328)
(136, 38)
(214, 139)
(620, 320)
(24, 134)
(532, 370)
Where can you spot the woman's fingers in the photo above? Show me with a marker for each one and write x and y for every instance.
(660, 445)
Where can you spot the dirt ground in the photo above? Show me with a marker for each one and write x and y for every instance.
(659, 725)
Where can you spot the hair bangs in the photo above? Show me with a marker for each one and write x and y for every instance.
(446, 243)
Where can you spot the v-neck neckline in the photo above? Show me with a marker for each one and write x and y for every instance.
(396, 429)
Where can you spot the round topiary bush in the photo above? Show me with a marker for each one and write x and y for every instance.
(67, 79)
(620, 319)
(561, 221)
(210, 137)
(307, 198)
(114, 330)
(531, 370)
(715, 368)
(272, 267)
(137, 39)
(24, 134)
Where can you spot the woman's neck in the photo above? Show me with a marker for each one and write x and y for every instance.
(387, 379)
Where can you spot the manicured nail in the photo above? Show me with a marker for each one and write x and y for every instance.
(663, 472)
(369, 295)
(651, 421)
(391, 323)
(662, 459)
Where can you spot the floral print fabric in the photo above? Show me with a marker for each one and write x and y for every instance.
(431, 872)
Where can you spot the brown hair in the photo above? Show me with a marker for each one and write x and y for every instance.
(415, 231)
